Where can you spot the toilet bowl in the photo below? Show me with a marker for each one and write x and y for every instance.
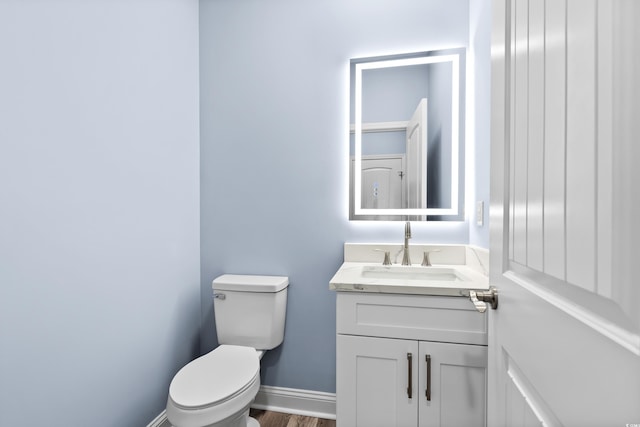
(215, 389)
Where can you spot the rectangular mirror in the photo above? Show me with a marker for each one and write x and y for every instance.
(407, 137)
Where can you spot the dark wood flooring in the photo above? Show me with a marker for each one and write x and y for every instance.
(279, 419)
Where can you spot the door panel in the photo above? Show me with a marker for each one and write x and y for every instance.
(565, 341)
(554, 131)
(523, 407)
(372, 382)
(382, 183)
(457, 385)
(417, 157)
(580, 144)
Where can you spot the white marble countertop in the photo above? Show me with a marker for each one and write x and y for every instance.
(455, 278)
(350, 278)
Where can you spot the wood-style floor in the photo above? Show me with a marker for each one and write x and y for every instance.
(278, 419)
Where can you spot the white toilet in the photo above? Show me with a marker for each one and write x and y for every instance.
(217, 389)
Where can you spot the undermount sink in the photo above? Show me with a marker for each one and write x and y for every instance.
(457, 269)
(440, 274)
(455, 280)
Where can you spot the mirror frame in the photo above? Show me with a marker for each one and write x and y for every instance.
(358, 66)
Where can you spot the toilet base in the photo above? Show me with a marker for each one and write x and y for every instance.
(252, 422)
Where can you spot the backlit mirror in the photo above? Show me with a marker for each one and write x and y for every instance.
(407, 136)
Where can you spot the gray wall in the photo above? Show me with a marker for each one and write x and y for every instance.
(275, 147)
(99, 208)
(440, 131)
(479, 131)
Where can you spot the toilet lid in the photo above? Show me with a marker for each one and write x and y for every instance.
(215, 377)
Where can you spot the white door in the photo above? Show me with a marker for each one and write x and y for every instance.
(417, 157)
(382, 184)
(564, 343)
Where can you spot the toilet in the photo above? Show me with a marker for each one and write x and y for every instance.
(217, 389)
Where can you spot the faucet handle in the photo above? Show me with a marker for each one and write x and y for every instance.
(387, 256)
(426, 260)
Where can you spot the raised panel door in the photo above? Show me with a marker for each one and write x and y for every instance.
(564, 343)
(373, 386)
(455, 377)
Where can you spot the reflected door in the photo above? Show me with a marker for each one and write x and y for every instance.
(382, 178)
(417, 157)
(382, 184)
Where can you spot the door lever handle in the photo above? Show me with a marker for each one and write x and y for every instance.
(481, 298)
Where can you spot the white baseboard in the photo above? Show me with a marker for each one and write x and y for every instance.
(160, 421)
(295, 401)
(280, 399)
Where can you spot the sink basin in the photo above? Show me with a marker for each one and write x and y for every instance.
(440, 274)
(456, 270)
(452, 280)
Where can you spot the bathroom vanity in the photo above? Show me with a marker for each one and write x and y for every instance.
(411, 346)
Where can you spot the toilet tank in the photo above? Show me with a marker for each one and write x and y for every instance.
(250, 310)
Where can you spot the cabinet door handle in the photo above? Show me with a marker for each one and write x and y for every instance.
(410, 378)
(428, 392)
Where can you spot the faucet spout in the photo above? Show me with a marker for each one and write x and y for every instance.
(406, 260)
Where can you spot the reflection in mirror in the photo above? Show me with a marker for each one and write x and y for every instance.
(407, 137)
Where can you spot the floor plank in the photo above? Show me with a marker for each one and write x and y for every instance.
(323, 422)
(279, 419)
(300, 421)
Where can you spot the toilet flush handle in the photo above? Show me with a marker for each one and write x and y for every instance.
(220, 296)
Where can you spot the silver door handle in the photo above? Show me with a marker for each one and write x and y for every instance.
(481, 298)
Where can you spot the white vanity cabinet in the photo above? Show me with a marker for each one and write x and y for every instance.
(382, 369)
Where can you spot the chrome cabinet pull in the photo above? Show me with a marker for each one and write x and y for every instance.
(410, 379)
(428, 391)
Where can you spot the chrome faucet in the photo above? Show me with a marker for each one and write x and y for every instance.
(406, 260)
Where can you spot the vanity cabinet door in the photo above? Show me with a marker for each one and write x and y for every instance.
(458, 381)
(373, 380)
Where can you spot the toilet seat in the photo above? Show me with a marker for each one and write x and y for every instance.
(218, 376)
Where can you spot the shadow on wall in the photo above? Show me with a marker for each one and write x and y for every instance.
(208, 336)
(270, 363)
(434, 190)
(177, 345)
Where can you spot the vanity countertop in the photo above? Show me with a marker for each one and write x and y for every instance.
(449, 280)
